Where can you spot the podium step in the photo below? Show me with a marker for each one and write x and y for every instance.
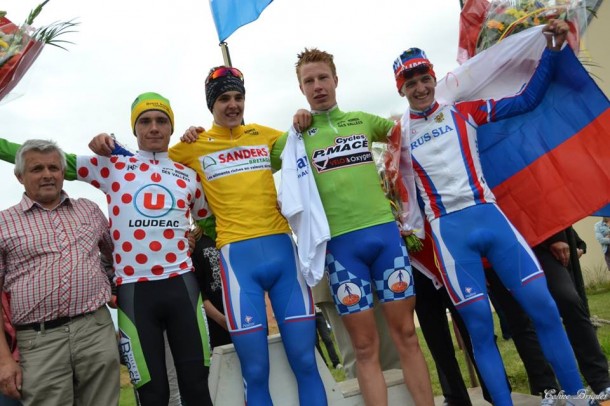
(226, 386)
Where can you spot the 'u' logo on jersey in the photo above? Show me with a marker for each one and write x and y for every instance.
(158, 203)
(154, 201)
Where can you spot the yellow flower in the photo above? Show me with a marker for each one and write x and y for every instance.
(3, 44)
(495, 25)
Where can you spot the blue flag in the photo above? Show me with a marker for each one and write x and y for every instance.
(229, 15)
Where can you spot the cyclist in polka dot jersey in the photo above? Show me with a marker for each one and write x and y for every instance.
(150, 202)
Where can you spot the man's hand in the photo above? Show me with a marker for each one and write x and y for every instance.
(112, 303)
(561, 252)
(405, 233)
(556, 33)
(102, 144)
(10, 378)
(191, 134)
(301, 120)
(579, 252)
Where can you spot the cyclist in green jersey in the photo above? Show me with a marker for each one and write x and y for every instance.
(366, 252)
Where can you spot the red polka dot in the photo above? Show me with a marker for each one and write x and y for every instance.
(198, 178)
(187, 214)
(105, 172)
(184, 265)
(169, 234)
(117, 258)
(179, 166)
(120, 165)
(139, 234)
(110, 223)
(127, 247)
(143, 279)
(171, 257)
(108, 199)
(141, 258)
(119, 281)
(133, 160)
(130, 176)
(155, 246)
(95, 183)
(83, 172)
(157, 270)
(173, 274)
(114, 158)
(116, 210)
(144, 167)
(116, 186)
(155, 177)
(129, 271)
(94, 160)
(126, 198)
(202, 213)
(181, 183)
(198, 194)
(181, 245)
(181, 204)
(116, 235)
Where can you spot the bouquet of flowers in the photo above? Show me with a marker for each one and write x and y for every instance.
(483, 23)
(21, 45)
(387, 159)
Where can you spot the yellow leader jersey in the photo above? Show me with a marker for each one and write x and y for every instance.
(235, 170)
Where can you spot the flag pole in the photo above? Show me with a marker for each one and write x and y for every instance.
(226, 57)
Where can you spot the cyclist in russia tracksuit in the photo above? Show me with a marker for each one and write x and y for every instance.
(467, 224)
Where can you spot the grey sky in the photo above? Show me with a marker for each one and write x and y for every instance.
(123, 48)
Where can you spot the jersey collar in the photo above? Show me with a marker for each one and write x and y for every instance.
(414, 114)
(330, 111)
(224, 132)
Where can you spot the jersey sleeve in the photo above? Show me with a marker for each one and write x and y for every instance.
(184, 153)
(527, 100)
(276, 151)
(381, 128)
(8, 151)
(95, 170)
(199, 205)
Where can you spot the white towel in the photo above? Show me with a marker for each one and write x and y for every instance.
(301, 205)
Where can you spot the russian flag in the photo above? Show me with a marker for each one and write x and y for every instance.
(229, 15)
(550, 167)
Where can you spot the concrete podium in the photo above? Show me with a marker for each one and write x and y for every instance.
(226, 386)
